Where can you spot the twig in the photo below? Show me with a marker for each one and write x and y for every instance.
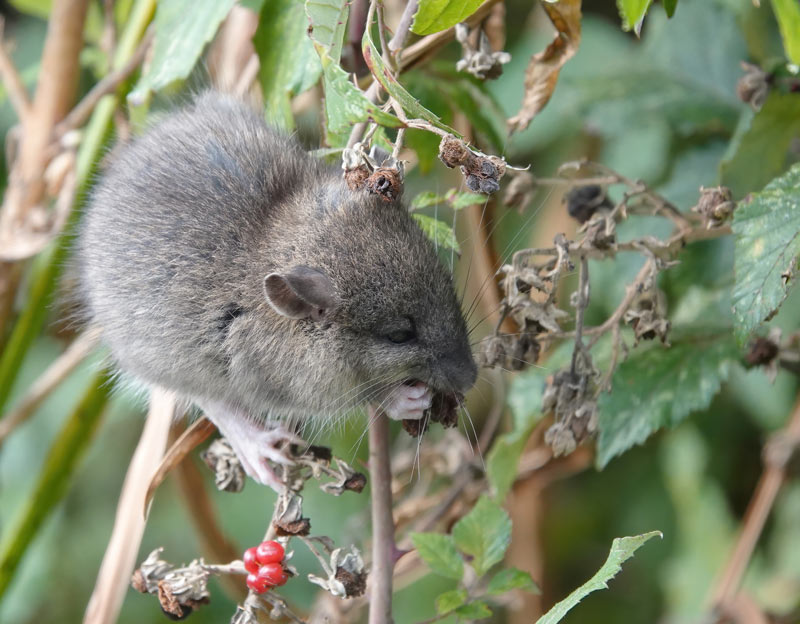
(215, 544)
(383, 546)
(120, 557)
(777, 452)
(416, 52)
(50, 379)
(581, 305)
(17, 93)
(80, 114)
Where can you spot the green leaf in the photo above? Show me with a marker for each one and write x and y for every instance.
(456, 199)
(759, 149)
(659, 387)
(345, 104)
(767, 245)
(388, 81)
(484, 533)
(632, 13)
(438, 231)
(448, 601)
(281, 27)
(459, 200)
(787, 13)
(436, 15)
(525, 399)
(328, 20)
(622, 549)
(669, 6)
(475, 610)
(37, 8)
(506, 580)
(183, 28)
(56, 476)
(440, 553)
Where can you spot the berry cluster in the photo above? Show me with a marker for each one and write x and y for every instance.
(264, 566)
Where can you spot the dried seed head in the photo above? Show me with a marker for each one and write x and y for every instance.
(753, 87)
(570, 398)
(482, 63)
(647, 316)
(583, 201)
(761, 352)
(385, 182)
(357, 178)
(509, 351)
(481, 173)
(228, 471)
(715, 205)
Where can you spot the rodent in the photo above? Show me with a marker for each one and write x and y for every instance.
(225, 263)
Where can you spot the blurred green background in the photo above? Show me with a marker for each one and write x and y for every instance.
(664, 109)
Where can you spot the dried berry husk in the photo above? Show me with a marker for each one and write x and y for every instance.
(356, 178)
(386, 183)
(761, 352)
(356, 482)
(414, 428)
(481, 173)
(715, 205)
(443, 410)
(293, 527)
(355, 584)
(753, 87)
(584, 201)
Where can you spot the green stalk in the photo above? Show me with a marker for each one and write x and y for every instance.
(48, 266)
(54, 479)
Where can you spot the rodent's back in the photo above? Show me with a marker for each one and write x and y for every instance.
(165, 243)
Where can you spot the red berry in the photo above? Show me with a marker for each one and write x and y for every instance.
(257, 583)
(250, 561)
(273, 574)
(269, 552)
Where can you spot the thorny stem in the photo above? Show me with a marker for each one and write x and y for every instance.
(383, 546)
(776, 454)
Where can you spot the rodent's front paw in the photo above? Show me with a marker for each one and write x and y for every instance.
(408, 401)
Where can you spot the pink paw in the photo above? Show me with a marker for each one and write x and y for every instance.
(408, 401)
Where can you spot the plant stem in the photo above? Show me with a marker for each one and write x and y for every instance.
(380, 604)
(776, 455)
(49, 263)
(55, 477)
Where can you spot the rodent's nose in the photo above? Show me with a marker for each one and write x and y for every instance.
(459, 371)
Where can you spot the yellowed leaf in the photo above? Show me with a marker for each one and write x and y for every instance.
(542, 73)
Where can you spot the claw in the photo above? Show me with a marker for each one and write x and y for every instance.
(255, 444)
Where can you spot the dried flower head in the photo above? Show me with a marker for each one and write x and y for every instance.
(570, 397)
(346, 573)
(584, 201)
(179, 590)
(715, 205)
(481, 173)
(753, 87)
(482, 63)
(647, 316)
(228, 471)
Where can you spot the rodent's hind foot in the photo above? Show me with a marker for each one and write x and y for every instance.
(408, 401)
(256, 444)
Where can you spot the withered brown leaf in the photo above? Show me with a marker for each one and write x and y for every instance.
(542, 73)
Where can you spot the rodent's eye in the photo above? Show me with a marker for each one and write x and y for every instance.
(402, 332)
(401, 336)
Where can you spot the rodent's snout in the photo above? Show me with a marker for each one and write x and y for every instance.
(456, 372)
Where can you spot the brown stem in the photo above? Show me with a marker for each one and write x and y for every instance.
(120, 556)
(17, 93)
(215, 544)
(80, 114)
(383, 546)
(776, 454)
(58, 370)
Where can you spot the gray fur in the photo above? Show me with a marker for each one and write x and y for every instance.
(190, 219)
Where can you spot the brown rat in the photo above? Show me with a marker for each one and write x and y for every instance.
(226, 264)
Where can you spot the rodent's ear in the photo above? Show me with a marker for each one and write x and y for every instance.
(302, 292)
